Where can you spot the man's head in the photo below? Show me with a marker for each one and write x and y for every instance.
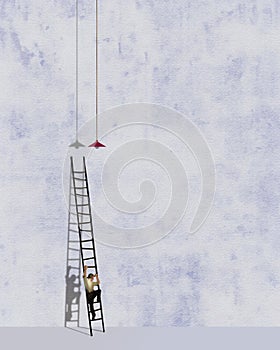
(90, 276)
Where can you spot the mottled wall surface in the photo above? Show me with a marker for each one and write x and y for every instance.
(217, 62)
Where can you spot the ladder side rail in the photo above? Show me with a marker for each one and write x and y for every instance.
(91, 225)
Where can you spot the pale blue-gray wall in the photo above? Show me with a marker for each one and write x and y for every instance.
(217, 62)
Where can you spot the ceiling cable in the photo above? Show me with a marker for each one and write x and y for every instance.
(96, 144)
(77, 144)
(96, 68)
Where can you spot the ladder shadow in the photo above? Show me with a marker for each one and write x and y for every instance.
(73, 269)
(83, 330)
(98, 330)
(79, 330)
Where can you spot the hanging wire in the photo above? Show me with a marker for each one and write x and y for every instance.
(96, 68)
(77, 69)
(77, 144)
(96, 144)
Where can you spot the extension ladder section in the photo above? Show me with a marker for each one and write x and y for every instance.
(85, 232)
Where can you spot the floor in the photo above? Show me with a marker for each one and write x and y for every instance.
(139, 338)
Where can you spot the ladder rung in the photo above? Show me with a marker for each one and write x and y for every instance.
(76, 231)
(82, 205)
(77, 178)
(74, 249)
(78, 172)
(91, 266)
(87, 240)
(83, 213)
(97, 319)
(87, 248)
(85, 223)
(81, 195)
(74, 241)
(85, 230)
(89, 258)
(79, 188)
(73, 259)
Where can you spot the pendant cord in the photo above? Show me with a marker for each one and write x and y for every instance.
(96, 68)
(78, 144)
(77, 65)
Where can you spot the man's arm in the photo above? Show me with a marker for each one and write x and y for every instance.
(85, 271)
(97, 280)
(85, 277)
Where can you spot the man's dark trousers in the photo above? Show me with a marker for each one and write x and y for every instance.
(90, 299)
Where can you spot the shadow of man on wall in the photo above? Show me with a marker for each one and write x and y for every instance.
(73, 295)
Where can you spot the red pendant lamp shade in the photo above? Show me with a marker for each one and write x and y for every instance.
(97, 144)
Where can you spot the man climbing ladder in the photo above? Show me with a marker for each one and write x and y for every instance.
(84, 224)
(91, 293)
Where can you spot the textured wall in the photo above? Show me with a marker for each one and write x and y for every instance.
(217, 62)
